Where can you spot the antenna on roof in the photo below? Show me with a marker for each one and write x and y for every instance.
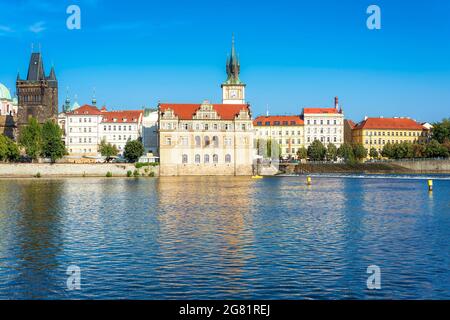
(267, 110)
(32, 47)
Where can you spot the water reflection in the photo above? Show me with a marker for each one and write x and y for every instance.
(207, 223)
(209, 237)
(38, 236)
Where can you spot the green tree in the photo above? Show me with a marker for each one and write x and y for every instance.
(134, 149)
(13, 150)
(359, 151)
(345, 152)
(441, 131)
(3, 148)
(331, 152)
(31, 138)
(388, 151)
(107, 150)
(418, 150)
(302, 153)
(446, 144)
(374, 153)
(52, 143)
(403, 150)
(434, 149)
(316, 151)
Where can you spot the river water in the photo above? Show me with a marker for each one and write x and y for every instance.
(225, 238)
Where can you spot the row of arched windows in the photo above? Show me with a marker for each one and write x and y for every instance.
(206, 159)
(207, 141)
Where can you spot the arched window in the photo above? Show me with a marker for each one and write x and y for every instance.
(206, 158)
(228, 158)
(207, 142)
(198, 141)
(197, 158)
(216, 141)
(215, 158)
(185, 159)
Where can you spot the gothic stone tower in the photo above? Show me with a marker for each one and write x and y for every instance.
(38, 94)
(233, 89)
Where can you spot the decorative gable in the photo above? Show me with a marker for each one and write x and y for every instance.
(206, 112)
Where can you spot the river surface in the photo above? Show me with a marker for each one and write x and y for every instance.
(225, 238)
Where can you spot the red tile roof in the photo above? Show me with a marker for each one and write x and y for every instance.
(187, 111)
(320, 110)
(85, 110)
(280, 120)
(125, 116)
(351, 123)
(389, 123)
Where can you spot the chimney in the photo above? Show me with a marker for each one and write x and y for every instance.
(336, 102)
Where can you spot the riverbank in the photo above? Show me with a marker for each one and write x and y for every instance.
(392, 167)
(27, 170)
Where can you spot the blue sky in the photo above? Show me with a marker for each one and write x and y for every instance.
(293, 53)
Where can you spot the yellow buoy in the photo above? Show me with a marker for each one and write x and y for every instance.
(308, 181)
(430, 185)
(257, 177)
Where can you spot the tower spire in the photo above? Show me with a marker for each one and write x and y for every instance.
(94, 99)
(67, 102)
(233, 65)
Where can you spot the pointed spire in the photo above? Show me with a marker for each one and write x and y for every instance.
(94, 100)
(233, 50)
(67, 102)
(233, 64)
(52, 75)
(75, 104)
(18, 76)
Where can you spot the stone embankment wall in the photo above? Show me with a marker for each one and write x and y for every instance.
(426, 166)
(422, 166)
(71, 170)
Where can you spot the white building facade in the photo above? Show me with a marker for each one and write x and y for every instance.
(86, 127)
(82, 128)
(324, 124)
(119, 127)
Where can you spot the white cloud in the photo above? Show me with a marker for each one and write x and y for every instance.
(5, 30)
(38, 27)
